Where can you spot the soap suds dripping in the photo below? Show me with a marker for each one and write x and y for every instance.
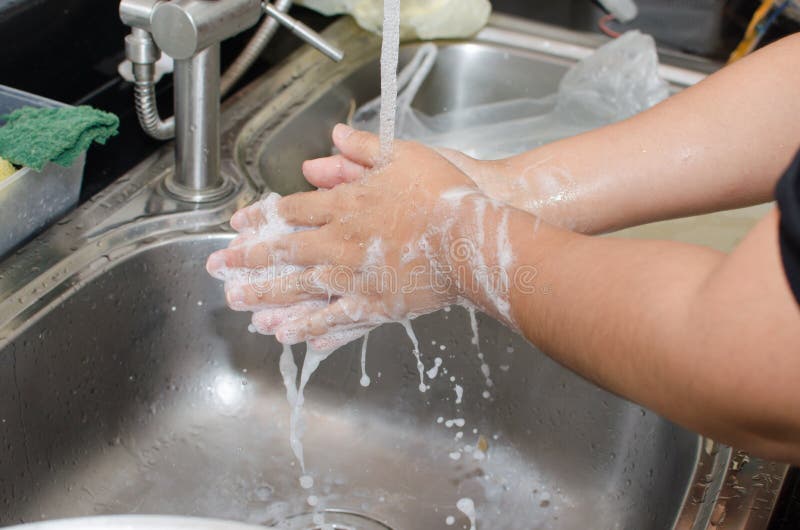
(390, 57)
(365, 380)
(288, 370)
(415, 342)
(296, 398)
(476, 340)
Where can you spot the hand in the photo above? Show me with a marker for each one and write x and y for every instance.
(537, 182)
(375, 249)
(330, 171)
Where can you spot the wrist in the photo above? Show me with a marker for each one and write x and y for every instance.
(476, 252)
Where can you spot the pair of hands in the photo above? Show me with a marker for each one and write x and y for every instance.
(375, 243)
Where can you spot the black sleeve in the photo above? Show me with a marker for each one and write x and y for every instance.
(788, 196)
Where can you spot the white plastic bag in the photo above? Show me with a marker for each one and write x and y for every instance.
(419, 19)
(619, 80)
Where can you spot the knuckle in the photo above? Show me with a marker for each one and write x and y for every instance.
(288, 207)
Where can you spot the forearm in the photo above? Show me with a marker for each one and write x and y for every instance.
(667, 325)
(721, 144)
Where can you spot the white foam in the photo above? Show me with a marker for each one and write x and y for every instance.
(420, 367)
(485, 370)
(365, 380)
(434, 371)
(296, 399)
(467, 507)
(288, 370)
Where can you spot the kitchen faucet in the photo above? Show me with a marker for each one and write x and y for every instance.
(190, 31)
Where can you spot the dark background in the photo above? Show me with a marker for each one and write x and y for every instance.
(68, 50)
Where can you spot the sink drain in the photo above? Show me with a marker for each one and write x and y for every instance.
(332, 519)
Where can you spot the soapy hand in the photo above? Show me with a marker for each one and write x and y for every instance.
(329, 265)
(330, 171)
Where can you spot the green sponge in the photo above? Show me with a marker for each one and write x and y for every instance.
(33, 137)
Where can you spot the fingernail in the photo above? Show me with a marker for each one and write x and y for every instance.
(309, 166)
(342, 132)
(235, 296)
(216, 264)
(239, 221)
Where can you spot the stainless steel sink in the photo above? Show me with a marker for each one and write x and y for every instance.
(126, 386)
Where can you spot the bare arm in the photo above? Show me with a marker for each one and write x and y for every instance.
(708, 340)
(705, 339)
(718, 145)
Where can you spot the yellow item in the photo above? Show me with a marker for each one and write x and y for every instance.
(6, 169)
(419, 19)
(750, 39)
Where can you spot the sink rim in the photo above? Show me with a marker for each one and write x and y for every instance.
(134, 214)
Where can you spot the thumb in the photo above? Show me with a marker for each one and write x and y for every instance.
(359, 146)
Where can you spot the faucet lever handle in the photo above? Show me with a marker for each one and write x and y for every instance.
(304, 32)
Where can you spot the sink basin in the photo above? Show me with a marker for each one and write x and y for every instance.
(129, 388)
(142, 393)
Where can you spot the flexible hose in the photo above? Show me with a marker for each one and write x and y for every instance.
(146, 105)
(145, 89)
(253, 49)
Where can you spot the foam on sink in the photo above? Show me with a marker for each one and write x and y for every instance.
(467, 507)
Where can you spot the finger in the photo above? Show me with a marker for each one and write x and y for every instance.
(263, 289)
(359, 146)
(342, 315)
(248, 217)
(267, 321)
(259, 213)
(337, 339)
(311, 208)
(332, 171)
(308, 248)
(215, 265)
